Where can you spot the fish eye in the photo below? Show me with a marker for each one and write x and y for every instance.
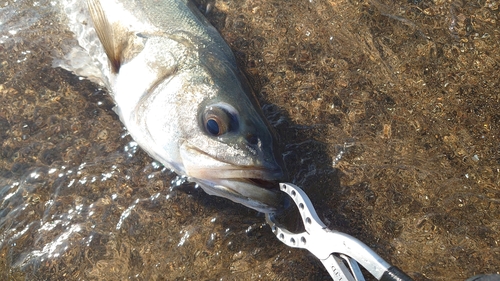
(213, 127)
(219, 120)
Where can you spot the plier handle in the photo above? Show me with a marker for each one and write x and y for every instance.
(339, 252)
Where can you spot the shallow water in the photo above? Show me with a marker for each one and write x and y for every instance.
(388, 117)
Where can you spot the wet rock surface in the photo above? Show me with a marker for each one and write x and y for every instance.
(388, 118)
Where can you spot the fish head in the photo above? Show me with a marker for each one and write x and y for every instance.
(205, 123)
(184, 101)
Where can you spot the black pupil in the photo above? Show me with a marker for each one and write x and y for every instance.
(213, 127)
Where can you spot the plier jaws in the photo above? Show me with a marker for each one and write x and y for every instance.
(339, 252)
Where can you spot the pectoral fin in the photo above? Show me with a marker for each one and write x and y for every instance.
(107, 35)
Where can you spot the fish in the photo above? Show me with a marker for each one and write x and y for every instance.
(180, 94)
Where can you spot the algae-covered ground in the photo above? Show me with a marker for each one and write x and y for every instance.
(388, 117)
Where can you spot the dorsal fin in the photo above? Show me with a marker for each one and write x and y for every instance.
(106, 34)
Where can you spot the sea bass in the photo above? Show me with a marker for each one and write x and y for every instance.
(180, 94)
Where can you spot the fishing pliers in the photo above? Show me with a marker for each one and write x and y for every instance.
(340, 253)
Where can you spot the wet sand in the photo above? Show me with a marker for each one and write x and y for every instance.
(388, 118)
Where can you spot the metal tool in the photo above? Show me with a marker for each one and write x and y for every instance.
(340, 253)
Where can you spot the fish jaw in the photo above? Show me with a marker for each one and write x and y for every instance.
(254, 186)
(243, 192)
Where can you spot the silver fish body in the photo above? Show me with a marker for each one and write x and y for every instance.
(180, 94)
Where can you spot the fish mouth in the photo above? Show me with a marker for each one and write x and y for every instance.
(259, 194)
(271, 185)
(255, 185)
